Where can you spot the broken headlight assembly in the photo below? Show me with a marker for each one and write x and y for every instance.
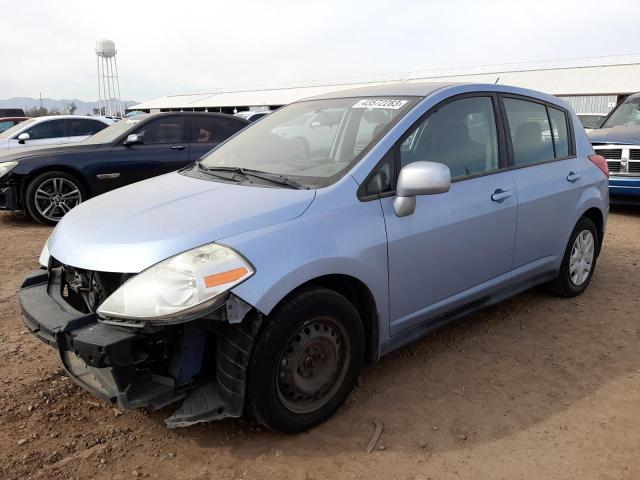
(179, 288)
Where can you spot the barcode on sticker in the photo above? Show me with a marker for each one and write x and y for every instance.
(392, 103)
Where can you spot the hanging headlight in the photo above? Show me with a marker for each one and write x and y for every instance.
(179, 288)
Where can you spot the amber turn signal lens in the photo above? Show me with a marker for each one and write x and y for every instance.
(224, 277)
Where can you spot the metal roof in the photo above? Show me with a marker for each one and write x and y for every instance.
(587, 76)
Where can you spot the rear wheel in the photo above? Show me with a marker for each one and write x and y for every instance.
(305, 361)
(579, 261)
(51, 195)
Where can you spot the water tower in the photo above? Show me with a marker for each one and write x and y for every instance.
(108, 83)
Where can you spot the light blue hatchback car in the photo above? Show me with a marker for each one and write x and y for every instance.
(262, 278)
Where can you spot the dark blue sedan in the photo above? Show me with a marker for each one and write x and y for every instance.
(47, 182)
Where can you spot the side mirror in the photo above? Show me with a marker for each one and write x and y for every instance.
(23, 137)
(419, 178)
(133, 139)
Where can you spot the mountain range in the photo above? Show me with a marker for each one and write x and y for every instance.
(61, 105)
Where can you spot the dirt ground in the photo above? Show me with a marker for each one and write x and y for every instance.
(535, 388)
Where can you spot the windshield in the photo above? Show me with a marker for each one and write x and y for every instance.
(10, 131)
(313, 142)
(627, 113)
(591, 121)
(114, 131)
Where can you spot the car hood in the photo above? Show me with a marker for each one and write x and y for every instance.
(134, 227)
(623, 134)
(29, 152)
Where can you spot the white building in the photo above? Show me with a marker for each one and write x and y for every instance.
(590, 85)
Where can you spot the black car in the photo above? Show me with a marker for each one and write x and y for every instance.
(47, 182)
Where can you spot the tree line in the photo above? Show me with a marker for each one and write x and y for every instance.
(69, 109)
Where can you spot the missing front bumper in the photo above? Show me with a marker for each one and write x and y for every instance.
(203, 361)
(121, 366)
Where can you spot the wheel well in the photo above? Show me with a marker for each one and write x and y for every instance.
(52, 168)
(595, 215)
(361, 297)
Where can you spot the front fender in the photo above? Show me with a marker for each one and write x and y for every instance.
(265, 294)
(337, 235)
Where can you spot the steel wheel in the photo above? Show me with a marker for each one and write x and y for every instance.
(581, 259)
(313, 365)
(55, 197)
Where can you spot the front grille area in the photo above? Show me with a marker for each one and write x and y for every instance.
(623, 160)
(85, 290)
(614, 166)
(610, 153)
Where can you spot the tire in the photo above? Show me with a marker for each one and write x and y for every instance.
(50, 195)
(568, 284)
(311, 347)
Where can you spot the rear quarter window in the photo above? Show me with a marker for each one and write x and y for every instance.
(560, 131)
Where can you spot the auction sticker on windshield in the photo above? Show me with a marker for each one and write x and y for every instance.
(390, 103)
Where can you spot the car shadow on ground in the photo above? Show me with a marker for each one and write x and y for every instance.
(626, 210)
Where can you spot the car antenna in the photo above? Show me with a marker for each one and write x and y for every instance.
(497, 79)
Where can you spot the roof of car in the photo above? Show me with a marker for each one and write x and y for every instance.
(144, 116)
(425, 89)
(4, 119)
(417, 89)
(64, 117)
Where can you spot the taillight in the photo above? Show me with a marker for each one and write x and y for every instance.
(601, 163)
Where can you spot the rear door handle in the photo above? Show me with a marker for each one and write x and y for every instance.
(499, 195)
(572, 177)
(177, 147)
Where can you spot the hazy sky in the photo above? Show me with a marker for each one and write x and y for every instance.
(189, 46)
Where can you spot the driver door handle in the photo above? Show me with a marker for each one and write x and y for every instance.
(177, 147)
(499, 195)
(572, 177)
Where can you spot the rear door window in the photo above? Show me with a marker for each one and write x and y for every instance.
(530, 131)
(81, 127)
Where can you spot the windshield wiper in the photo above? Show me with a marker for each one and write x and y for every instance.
(249, 172)
(211, 172)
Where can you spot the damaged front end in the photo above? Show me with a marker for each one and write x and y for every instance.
(133, 363)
